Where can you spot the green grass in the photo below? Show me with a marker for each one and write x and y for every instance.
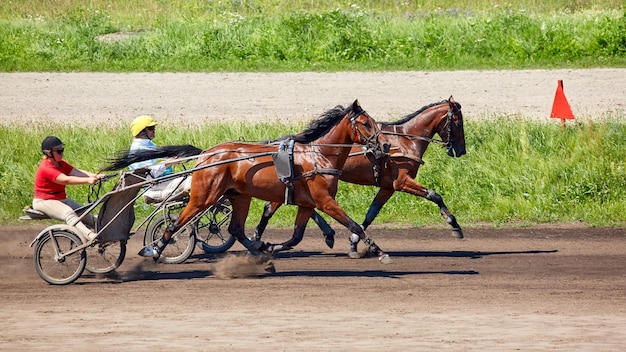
(515, 171)
(147, 12)
(309, 35)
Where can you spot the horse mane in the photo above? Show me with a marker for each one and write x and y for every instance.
(412, 115)
(317, 128)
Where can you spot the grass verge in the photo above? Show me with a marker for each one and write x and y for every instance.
(515, 171)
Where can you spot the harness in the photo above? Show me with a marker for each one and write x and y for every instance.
(284, 161)
(378, 157)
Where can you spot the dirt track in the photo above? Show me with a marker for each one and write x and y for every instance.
(541, 289)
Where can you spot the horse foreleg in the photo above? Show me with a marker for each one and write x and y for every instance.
(381, 198)
(450, 218)
(333, 209)
(379, 201)
(268, 211)
(409, 185)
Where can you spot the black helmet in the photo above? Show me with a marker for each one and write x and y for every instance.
(49, 143)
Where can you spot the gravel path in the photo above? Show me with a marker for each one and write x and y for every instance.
(199, 98)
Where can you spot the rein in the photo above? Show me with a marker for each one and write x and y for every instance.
(448, 125)
(371, 144)
(412, 136)
(255, 154)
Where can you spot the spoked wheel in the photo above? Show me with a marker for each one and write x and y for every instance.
(51, 261)
(105, 257)
(211, 233)
(181, 245)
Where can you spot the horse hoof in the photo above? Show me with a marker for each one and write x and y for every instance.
(385, 259)
(458, 233)
(258, 246)
(275, 248)
(373, 251)
(269, 267)
(330, 241)
(354, 255)
(149, 251)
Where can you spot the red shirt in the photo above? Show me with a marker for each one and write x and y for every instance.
(47, 172)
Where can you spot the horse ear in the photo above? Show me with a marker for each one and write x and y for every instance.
(451, 103)
(356, 103)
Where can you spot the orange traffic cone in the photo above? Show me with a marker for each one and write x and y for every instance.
(560, 107)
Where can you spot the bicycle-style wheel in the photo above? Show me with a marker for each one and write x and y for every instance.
(105, 257)
(211, 230)
(52, 264)
(181, 244)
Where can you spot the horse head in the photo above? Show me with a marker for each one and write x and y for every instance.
(451, 131)
(364, 129)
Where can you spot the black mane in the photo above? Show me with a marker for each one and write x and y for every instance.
(412, 115)
(321, 126)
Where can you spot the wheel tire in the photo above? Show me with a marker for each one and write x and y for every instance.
(209, 234)
(103, 258)
(180, 246)
(52, 270)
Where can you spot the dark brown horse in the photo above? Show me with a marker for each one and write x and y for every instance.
(242, 171)
(407, 140)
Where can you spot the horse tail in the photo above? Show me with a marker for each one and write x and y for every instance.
(125, 158)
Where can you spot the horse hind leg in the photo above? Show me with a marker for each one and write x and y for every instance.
(302, 217)
(269, 209)
(241, 207)
(450, 218)
(154, 250)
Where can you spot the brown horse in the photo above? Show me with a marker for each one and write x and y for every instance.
(242, 171)
(395, 171)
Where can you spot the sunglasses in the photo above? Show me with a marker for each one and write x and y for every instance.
(58, 151)
(150, 128)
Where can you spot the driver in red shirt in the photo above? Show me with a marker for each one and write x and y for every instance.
(52, 175)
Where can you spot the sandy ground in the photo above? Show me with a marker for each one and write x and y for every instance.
(532, 289)
(198, 98)
(550, 288)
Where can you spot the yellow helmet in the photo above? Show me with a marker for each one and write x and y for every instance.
(141, 122)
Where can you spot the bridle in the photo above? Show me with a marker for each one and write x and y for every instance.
(371, 142)
(447, 126)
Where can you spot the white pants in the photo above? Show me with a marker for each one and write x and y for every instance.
(160, 191)
(63, 210)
